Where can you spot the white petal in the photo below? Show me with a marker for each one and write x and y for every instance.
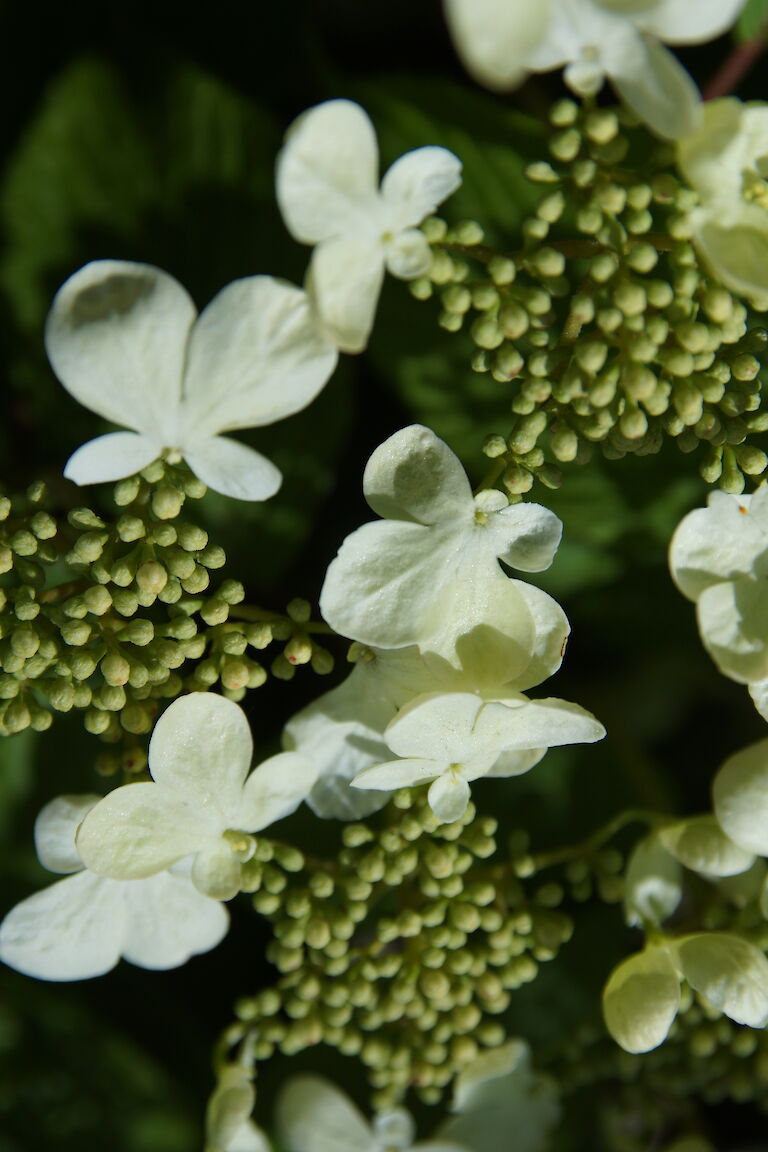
(327, 171)
(715, 544)
(167, 921)
(500, 1092)
(394, 1129)
(69, 931)
(641, 999)
(55, 830)
(141, 829)
(116, 337)
(408, 254)
(437, 726)
(733, 240)
(525, 536)
(233, 469)
(516, 763)
(216, 872)
(418, 182)
(495, 40)
(714, 157)
(415, 476)
(202, 748)
(759, 693)
(658, 89)
(547, 723)
(312, 1115)
(680, 22)
(274, 790)
(249, 1138)
(448, 797)
(701, 845)
(740, 794)
(551, 632)
(652, 884)
(729, 972)
(111, 457)
(344, 282)
(393, 774)
(340, 733)
(381, 586)
(255, 357)
(733, 621)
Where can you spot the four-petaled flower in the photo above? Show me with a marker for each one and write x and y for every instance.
(79, 927)
(327, 176)
(453, 738)
(202, 803)
(429, 571)
(726, 161)
(126, 341)
(501, 40)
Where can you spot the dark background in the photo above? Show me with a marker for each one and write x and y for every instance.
(150, 133)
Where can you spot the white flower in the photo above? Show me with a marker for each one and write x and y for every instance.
(200, 803)
(341, 732)
(501, 40)
(314, 1116)
(719, 559)
(79, 927)
(126, 341)
(327, 176)
(642, 996)
(453, 738)
(500, 1092)
(726, 161)
(429, 572)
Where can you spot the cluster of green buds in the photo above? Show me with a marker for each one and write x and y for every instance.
(403, 951)
(604, 326)
(113, 616)
(705, 1057)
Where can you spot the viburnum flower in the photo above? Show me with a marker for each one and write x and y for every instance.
(726, 161)
(327, 189)
(79, 927)
(719, 559)
(500, 1092)
(429, 571)
(314, 1116)
(126, 341)
(341, 732)
(453, 738)
(501, 40)
(202, 802)
(642, 996)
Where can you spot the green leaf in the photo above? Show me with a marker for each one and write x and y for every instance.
(753, 21)
(69, 180)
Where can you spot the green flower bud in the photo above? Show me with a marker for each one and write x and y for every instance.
(43, 526)
(125, 601)
(547, 262)
(130, 528)
(16, 716)
(486, 333)
(151, 577)
(191, 538)
(88, 547)
(25, 641)
(139, 632)
(96, 722)
(137, 718)
(167, 502)
(565, 146)
(751, 460)
(115, 669)
(517, 480)
(76, 632)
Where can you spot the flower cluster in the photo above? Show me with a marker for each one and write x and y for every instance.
(612, 327)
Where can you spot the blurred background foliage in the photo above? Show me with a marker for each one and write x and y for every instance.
(150, 133)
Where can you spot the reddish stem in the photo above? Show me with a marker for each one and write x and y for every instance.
(735, 67)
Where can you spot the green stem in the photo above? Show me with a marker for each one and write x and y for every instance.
(254, 614)
(597, 839)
